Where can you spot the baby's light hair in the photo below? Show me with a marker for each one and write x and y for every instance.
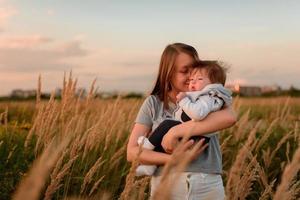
(215, 72)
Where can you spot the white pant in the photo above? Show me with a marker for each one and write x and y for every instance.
(194, 186)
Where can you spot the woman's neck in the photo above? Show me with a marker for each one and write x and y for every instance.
(172, 95)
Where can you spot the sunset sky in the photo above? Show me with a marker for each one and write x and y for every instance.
(120, 42)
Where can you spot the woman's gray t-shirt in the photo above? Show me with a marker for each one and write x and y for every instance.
(152, 113)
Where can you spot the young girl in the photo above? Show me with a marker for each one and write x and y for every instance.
(173, 78)
(206, 94)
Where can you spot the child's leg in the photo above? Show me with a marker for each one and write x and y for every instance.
(154, 142)
(145, 169)
(160, 132)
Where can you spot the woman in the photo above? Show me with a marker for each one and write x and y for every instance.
(207, 166)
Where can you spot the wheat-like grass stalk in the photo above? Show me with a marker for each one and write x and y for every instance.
(143, 183)
(59, 164)
(117, 157)
(174, 168)
(31, 186)
(38, 91)
(296, 133)
(11, 152)
(130, 178)
(252, 141)
(6, 118)
(55, 182)
(91, 92)
(267, 134)
(100, 128)
(96, 185)
(89, 176)
(268, 192)
(283, 190)
(241, 124)
(243, 187)
(279, 144)
(240, 164)
(225, 142)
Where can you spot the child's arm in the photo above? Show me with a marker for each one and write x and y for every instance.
(199, 109)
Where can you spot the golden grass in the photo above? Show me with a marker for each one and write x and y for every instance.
(88, 136)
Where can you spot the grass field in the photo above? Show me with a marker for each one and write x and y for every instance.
(76, 149)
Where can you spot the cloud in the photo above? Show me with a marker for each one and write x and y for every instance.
(115, 69)
(6, 12)
(50, 12)
(260, 76)
(129, 78)
(140, 82)
(80, 37)
(260, 62)
(72, 48)
(37, 53)
(136, 63)
(239, 81)
(21, 42)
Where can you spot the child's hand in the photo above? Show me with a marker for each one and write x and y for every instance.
(180, 96)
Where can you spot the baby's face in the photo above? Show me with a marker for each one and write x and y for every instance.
(198, 80)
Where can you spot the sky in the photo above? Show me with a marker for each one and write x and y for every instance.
(120, 42)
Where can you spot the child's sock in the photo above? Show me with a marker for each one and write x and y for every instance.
(146, 143)
(145, 169)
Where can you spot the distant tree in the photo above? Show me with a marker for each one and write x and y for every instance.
(133, 95)
(294, 92)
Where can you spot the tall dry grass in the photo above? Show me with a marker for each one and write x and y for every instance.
(96, 133)
(80, 143)
(262, 150)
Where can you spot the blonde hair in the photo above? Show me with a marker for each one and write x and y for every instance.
(166, 68)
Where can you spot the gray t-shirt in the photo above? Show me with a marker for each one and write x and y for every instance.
(152, 113)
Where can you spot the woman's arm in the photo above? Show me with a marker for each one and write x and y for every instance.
(147, 156)
(215, 121)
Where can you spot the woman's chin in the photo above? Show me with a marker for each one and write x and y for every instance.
(185, 89)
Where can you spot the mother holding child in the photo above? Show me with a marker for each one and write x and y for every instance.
(188, 98)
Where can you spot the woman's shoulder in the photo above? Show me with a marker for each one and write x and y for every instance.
(153, 99)
(149, 111)
(153, 103)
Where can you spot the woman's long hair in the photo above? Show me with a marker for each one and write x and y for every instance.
(167, 67)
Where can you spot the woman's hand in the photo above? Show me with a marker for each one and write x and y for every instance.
(197, 149)
(191, 149)
(170, 140)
